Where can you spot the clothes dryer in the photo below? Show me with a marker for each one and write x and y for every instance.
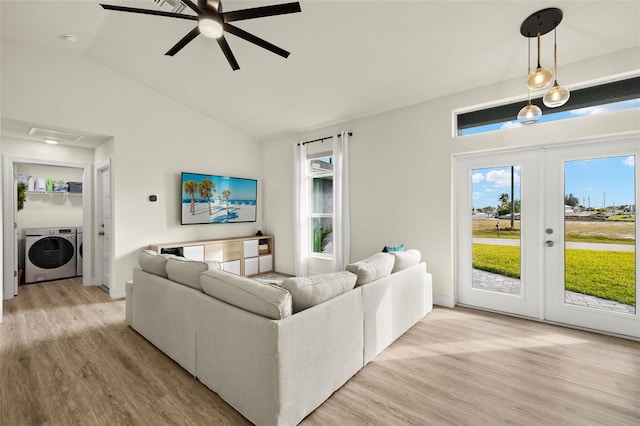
(50, 254)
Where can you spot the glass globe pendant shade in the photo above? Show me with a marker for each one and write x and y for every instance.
(530, 114)
(556, 96)
(210, 27)
(539, 78)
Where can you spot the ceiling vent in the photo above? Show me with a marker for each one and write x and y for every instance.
(54, 134)
(174, 6)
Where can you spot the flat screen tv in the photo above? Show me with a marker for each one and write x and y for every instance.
(217, 199)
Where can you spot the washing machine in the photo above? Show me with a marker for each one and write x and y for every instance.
(50, 254)
(79, 252)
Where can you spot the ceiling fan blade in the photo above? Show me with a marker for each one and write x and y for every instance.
(192, 6)
(261, 12)
(222, 42)
(255, 40)
(148, 12)
(183, 42)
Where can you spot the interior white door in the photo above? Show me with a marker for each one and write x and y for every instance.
(497, 240)
(103, 252)
(590, 256)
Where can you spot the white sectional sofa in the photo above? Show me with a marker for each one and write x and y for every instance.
(275, 353)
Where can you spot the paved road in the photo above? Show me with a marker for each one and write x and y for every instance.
(571, 245)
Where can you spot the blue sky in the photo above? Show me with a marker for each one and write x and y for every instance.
(241, 189)
(595, 182)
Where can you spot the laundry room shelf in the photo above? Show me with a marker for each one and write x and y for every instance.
(64, 193)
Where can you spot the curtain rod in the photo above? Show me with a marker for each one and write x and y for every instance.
(322, 139)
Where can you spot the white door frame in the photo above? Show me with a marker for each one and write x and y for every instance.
(10, 279)
(99, 252)
(528, 302)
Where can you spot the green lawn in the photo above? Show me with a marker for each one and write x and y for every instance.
(605, 274)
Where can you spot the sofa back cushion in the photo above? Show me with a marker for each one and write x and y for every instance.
(405, 259)
(310, 291)
(266, 300)
(372, 268)
(187, 272)
(153, 263)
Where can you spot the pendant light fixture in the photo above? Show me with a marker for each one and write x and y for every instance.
(557, 95)
(530, 113)
(538, 24)
(541, 77)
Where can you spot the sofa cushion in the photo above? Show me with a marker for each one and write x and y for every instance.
(267, 300)
(405, 259)
(154, 263)
(372, 268)
(310, 291)
(187, 272)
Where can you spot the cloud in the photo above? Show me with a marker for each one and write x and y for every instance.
(629, 161)
(510, 125)
(477, 195)
(589, 111)
(477, 177)
(502, 178)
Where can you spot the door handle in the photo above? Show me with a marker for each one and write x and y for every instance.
(549, 243)
(101, 233)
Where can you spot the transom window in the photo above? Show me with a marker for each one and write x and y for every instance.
(608, 97)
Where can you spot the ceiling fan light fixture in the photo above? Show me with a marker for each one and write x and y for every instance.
(210, 27)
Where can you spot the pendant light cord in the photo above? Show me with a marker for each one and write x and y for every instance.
(539, 50)
(555, 58)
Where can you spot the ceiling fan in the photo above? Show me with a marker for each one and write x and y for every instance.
(213, 22)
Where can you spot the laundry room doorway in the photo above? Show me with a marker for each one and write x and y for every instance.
(48, 222)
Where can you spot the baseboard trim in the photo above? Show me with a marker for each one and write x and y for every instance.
(119, 294)
(446, 301)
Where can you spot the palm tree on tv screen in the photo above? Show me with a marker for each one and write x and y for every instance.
(226, 194)
(190, 187)
(206, 188)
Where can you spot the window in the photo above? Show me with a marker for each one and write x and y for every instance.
(321, 205)
(613, 96)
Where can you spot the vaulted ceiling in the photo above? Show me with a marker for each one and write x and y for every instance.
(349, 59)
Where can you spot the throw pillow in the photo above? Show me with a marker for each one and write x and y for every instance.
(153, 263)
(187, 272)
(266, 300)
(393, 249)
(310, 291)
(372, 268)
(406, 259)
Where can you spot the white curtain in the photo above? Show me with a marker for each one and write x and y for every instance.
(341, 225)
(300, 210)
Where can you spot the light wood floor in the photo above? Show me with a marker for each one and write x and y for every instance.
(66, 357)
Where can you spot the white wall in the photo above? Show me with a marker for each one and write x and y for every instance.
(154, 139)
(401, 168)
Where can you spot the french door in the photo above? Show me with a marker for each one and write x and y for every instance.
(551, 233)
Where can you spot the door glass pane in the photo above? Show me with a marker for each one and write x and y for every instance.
(600, 230)
(496, 229)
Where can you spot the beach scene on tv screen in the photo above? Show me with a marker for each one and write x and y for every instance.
(217, 199)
